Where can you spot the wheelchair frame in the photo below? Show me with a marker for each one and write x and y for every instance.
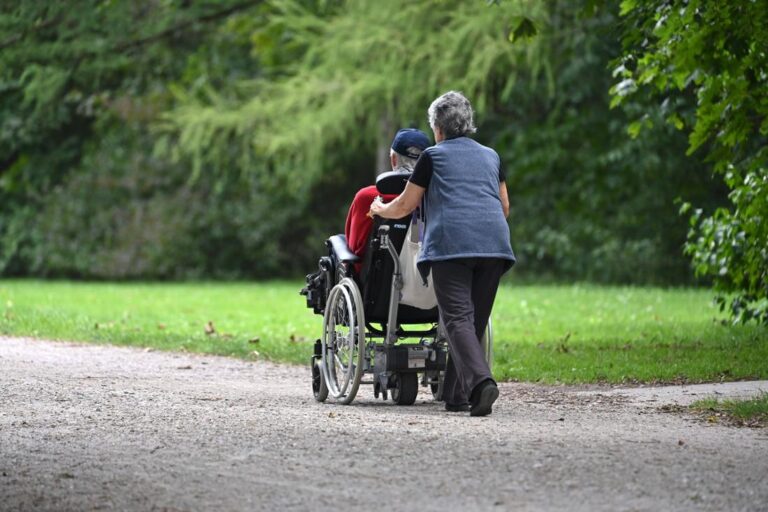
(348, 348)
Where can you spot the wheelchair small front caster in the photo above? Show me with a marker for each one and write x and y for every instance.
(319, 387)
(378, 389)
(406, 388)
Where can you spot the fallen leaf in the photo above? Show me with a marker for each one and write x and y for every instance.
(255, 353)
(254, 340)
(187, 367)
(161, 326)
(209, 328)
(331, 414)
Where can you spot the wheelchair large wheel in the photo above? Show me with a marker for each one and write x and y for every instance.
(343, 341)
(406, 388)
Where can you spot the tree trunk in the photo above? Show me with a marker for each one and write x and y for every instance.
(386, 132)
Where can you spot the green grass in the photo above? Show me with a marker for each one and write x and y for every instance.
(585, 333)
(749, 411)
(569, 334)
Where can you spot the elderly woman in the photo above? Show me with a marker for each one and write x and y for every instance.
(466, 245)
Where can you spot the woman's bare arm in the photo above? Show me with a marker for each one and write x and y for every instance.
(402, 205)
(504, 198)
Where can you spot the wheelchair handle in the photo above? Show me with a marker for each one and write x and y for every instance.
(397, 285)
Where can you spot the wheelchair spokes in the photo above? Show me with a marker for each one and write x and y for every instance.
(343, 341)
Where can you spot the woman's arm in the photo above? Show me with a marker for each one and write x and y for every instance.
(402, 205)
(504, 198)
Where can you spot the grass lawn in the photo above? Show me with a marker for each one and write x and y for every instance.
(753, 412)
(569, 334)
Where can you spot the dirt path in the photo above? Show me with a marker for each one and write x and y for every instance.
(87, 427)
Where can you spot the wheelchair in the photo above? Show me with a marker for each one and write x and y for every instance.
(366, 330)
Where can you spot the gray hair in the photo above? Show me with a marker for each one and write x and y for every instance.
(406, 162)
(452, 113)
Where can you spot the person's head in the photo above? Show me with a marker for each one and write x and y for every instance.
(406, 148)
(450, 116)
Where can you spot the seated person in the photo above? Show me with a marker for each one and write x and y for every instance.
(406, 148)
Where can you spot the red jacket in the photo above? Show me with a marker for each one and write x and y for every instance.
(359, 224)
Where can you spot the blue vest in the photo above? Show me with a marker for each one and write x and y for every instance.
(462, 207)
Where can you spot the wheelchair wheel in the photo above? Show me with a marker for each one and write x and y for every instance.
(406, 388)
(319, 388)
(343, 341)
(487, 342)
(435, 380)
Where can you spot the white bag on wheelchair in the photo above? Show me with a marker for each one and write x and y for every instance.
(414, 292)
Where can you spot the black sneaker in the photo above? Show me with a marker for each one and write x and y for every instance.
(456, 407)
(483, 397)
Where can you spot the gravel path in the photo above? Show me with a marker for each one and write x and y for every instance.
(85, 427)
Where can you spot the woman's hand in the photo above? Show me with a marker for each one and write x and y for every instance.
(402, 205)
(376, 207)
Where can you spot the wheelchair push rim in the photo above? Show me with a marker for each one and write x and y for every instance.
(343, 341)
(487, 343)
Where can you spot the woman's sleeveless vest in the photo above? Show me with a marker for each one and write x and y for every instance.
(463, 211)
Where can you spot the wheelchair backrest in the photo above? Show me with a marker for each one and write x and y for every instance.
(392, 182)
(376, 276)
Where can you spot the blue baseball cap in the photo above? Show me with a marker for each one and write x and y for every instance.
(410, 142)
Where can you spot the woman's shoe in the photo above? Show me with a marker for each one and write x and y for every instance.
(483, 397)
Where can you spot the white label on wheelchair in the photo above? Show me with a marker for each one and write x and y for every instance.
(417, 357)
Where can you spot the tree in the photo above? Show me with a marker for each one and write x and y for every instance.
(71, 71)
(587, 198)
(226, 138)
(348, 74)
(714, 55)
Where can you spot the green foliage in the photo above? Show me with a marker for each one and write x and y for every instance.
(348, 77)
(226, 138)
(732, 245)
(715, 54)
(127, 214)
(64, 62)
(70, 74)
(550, 334)
(587, 199)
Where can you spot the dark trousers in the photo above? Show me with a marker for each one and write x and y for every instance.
(465, 290)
